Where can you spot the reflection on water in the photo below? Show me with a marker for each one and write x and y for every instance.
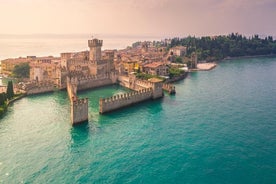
(79, 134)
(218, 128)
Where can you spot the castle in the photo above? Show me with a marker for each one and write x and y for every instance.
(87, 70)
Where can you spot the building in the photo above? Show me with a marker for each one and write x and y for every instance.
(9, 64)
(156, 68)
(90, 62)
(45, 69)
(178, 51)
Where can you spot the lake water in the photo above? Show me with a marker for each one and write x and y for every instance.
(13, 46)
(218, 128)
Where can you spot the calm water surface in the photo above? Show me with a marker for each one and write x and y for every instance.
(219, 128)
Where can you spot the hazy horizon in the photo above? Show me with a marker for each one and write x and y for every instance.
(163, 18)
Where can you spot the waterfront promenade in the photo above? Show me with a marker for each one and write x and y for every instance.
(204, 66)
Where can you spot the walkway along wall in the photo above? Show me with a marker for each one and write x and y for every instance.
(127, 99)
(78, 107)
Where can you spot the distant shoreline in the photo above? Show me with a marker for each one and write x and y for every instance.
(245, 57)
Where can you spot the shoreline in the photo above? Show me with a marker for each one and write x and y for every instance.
(211, 65)
(9, 102)
(245, 57)
(204, 67)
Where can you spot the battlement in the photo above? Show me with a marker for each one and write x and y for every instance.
(123, 100)
(39, 87)
(72, 89)
(169, 88)
(95, 43)
(35, 87)
(79, 61)
(126, 96)
(79, 78)
(79, 111)
(81, 101)
(78, 107)
(144, 83)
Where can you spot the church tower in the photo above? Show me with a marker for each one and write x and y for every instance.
(95, 52)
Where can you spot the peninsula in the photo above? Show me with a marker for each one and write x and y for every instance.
(147, 68)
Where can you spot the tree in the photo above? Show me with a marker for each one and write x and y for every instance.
(178, 60)
(22, 70)
(174, 72)
(2, 98)
(10, 92)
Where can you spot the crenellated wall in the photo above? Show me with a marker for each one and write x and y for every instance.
(169, 88)
(79, 111)
(78, 107)
(94, 81)
(123, 100)
(72, 88)
(39, 87)
(138, 84)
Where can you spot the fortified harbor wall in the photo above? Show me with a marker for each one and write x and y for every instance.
(38, 88)
(123, 100)
(78, 107)
(169, 88)
(94, 81)
(143, 90)
(137, 84)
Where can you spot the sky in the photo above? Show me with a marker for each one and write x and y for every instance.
(138, 17)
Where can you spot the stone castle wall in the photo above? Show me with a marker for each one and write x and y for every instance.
(38, 88)
(94, 81)
(169, 88)
(72, 88)
(79, 111)
(123, 100)
(78, 107)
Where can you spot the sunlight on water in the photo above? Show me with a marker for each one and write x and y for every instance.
(218, 128)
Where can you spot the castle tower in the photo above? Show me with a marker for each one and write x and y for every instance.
(157, 88)
(95, 52)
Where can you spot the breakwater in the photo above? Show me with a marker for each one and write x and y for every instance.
(143, 90)
(124, 100)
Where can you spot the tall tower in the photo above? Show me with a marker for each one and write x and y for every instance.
(95, 46)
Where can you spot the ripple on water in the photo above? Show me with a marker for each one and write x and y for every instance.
(218, 128)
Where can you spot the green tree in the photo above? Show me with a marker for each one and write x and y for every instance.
(174, 72)
(22, 70)
(10, 92)
(233, 45)
(178, 60)
(2, 98)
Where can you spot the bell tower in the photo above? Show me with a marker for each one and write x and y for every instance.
(95, 52)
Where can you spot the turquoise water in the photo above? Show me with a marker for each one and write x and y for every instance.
(220, 127)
